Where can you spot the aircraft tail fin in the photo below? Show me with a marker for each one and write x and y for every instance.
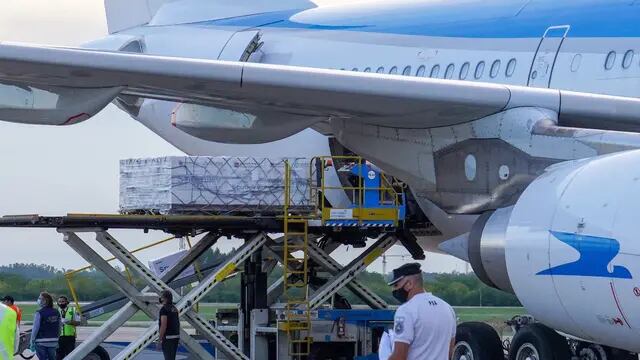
(125, 14)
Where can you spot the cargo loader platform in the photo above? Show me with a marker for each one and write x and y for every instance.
(274, 322)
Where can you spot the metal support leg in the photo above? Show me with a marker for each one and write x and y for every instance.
(129, 309)
(322, 258)
(77, 244)
(349, 272)
(275, 249)
(186, 303)
(333, 267)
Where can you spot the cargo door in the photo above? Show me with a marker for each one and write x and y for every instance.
(545, 56)
(243, 46)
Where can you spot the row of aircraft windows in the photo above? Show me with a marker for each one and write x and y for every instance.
(450, 70)
(627, 59)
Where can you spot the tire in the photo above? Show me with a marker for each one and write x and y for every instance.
(99, 353)
(587, 351)
(538, 342)
(477, 341)
(617, 354)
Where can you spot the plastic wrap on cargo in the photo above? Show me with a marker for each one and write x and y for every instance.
(216, 185)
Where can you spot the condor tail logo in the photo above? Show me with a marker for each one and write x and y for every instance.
(595, 255)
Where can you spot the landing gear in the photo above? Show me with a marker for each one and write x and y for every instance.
(587, 351)
(538, 342)
(477, 341)
(99, 353)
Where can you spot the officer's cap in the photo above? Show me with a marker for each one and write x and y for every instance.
(404, 270)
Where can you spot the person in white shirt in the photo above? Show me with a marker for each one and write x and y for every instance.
(424, 325)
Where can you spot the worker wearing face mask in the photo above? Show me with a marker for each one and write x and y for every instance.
(46, 329)
(67, 340)
(424, 325)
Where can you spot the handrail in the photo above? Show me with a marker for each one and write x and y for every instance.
(388, 194)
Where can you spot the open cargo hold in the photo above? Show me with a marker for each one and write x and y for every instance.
(212, 185)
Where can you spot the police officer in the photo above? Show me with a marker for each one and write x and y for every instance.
(169, 323)
(67, 339)
(46, 329)
(424, 325)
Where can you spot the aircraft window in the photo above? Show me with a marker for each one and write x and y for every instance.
(354, 69)
(611, 59)
(576, 62)
(367, 69)
(628, 59)
(420, 71)
(406, 71)
(380, 70)
(511, 68)
(435, 71)
(394, 70)
(448, 74)
(464, 71)
(495, 68)
(479, 70)
(470, 167)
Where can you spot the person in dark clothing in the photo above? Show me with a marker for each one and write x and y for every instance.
(67, 340)
(169, 323)
(46, 329)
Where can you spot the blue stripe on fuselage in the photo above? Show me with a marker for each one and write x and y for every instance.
(470, 18)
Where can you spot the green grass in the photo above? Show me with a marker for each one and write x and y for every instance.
(488, 314)
(485, 314)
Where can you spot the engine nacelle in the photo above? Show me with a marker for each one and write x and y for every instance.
(569, 249)
(228, 126)
(49, 105)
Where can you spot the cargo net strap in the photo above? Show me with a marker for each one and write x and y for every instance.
(212, 185)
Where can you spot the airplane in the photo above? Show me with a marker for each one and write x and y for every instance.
(515, 125)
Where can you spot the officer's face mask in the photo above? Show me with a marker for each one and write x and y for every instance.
(401, 295)
(63, 304)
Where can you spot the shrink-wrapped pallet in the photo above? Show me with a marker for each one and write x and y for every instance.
(212, 185)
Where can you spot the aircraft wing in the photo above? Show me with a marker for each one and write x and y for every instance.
(389, 100)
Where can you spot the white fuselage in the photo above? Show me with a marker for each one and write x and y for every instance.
(455, 172)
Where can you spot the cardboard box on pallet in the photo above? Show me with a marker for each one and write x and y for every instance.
(212, 185)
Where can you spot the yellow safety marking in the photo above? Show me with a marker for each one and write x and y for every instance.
(226, 271)
(372, 256)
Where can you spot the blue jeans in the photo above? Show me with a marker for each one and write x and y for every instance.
(46, 353)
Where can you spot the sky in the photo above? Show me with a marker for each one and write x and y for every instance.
(74, 169)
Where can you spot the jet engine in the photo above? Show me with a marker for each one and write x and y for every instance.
(569, 249)
(49, 105)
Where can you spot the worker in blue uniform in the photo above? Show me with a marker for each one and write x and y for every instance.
(46, 329)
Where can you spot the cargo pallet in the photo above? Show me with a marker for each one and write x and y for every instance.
(303, 249)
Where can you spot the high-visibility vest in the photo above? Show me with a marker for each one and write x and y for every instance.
(18, 312)
(8, 325)
(68, 329)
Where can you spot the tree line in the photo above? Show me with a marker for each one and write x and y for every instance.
(25, 281)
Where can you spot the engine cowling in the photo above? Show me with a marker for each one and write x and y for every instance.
(569, 249)
(50, 105)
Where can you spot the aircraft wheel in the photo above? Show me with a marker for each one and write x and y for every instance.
(538, 342)
(99, 353)
(617, 354)
(477, 341)
(587, 351)
(592, 352)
